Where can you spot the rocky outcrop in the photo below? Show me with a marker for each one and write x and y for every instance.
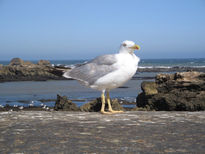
(16, 62)
(95, 105)
(64, 104)
(174, 92)
(19, 70)
(44, 63)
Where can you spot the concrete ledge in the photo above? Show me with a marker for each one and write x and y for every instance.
(85, 132)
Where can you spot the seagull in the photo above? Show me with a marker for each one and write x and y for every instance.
(107, 72)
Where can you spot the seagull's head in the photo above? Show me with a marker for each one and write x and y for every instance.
(128, 46)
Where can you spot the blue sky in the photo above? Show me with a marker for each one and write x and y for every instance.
(84, 29)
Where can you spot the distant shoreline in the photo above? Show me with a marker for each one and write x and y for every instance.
(43, 70)
(166, 62)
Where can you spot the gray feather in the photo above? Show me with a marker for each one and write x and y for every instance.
(91, 71)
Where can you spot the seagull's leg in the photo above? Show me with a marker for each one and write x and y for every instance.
(109, 105)
(108, 102)
(103, 103)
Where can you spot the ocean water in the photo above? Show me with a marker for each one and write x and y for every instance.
(33, 92)
(191, 62)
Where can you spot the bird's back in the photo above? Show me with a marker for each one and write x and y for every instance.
(91, 71)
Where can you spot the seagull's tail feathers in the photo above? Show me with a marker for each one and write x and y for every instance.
(66, 74)
(75, 74)
(61, 72)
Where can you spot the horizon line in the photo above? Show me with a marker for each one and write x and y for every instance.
(93, 58)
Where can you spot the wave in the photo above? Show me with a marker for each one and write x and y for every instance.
(154, 67)
(198, 66)
(167, 67)
(149, 68)
(170, 68)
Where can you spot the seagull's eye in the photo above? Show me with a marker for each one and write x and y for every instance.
(124, 44)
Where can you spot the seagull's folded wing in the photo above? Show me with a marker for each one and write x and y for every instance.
(91, 71)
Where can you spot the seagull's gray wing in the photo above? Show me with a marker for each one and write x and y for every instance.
(91, 71)
(105, 59)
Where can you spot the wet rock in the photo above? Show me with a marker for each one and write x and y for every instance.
(63, 104)
(95, 106)
(180, 91)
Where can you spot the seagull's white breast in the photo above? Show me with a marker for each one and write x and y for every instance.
(126, 67)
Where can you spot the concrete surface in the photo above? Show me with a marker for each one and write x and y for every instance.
(89, 132)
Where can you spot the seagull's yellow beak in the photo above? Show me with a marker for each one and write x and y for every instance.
(135, 47)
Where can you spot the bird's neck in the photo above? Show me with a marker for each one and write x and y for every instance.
(125, 50)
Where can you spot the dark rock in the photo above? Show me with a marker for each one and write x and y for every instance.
(16, 61)
(149, 88)
(95, 106)
(180, 91)
(44, 63)
(62, 103)
(123, 87)
(18, 70)
(59, 71)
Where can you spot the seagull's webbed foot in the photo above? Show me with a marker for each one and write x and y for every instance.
(105, 112)
(113, 111)
(110, 110)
